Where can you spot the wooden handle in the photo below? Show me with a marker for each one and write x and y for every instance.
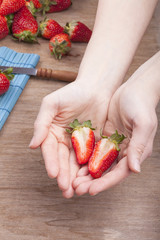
(66, 76)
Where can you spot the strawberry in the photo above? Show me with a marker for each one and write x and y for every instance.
(78, 31)
(4, 30)
(49, 28)
(5, 78)
(5, 24)
(83, 140)
(60, 45)
(1, 2)
(25, 26)
(37, 4)
(104, 154)
(51, 6)
(11, 6)
(31, 8)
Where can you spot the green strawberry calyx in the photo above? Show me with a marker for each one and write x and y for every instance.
(60, 48)
(26, 36)
(46, 4)
(116, 138)
(70, 27)
(75, 125)
(8, 73)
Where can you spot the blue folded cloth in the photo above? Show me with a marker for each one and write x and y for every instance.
(9, 57)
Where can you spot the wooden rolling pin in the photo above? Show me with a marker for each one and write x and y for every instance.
(66, 76)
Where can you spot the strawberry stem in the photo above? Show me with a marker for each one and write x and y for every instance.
(76, 125)
(116, 138)
(8, 73)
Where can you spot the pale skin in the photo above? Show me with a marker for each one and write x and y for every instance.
(132, 111)
(102, 70)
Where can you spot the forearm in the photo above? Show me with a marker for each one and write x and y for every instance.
(118, 29)
(147, 80)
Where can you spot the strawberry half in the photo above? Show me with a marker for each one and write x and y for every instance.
(104, 154)
(5, 78)
(78, 31)
(83, 140)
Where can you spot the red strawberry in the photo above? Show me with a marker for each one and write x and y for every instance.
(5, 78)
(4, 30)
(51, 6)
(104, 154)
(37, 3)
(11, 6)
(60, 45)
(78, 31)
(83, 140)
(25, 26)
(31, 8)
(49, 28)
(1, 2)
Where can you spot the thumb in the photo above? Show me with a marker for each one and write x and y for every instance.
(43, 121)
(137, 146)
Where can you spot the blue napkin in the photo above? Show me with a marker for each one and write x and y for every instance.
(9, 57)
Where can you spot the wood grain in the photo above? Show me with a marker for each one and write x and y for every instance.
(31, 205)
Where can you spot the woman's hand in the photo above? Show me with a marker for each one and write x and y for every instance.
(58, 109)
(131, 112)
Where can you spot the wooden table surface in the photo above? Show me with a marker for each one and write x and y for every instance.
(31, 205)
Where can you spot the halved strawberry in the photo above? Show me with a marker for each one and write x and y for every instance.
(104, 154)
(83, 140)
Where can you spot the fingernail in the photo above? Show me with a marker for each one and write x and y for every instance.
(137, 166)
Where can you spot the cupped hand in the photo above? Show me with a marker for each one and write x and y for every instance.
(57, 110)
(131, 112)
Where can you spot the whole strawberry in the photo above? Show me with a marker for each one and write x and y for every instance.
(25, 26)
(78, 31)
(83, 140)
(37, 3)
(51, 6)
(4, 30)
(49, 28)
(60, 45)
(5, 78)
(104, 154)
(11, 6)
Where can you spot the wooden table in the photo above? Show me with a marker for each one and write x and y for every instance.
(31, 205)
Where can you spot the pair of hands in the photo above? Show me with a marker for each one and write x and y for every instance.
(130, 110)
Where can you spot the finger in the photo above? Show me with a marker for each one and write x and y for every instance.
(42, 124)
(149, 147)
(49, 151)
(83, 188)
(80, 180)
(83, 171)
(74, 167)
(110, 179)
(63, 178)
(137, 145)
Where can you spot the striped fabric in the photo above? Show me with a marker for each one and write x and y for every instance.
(8, 57)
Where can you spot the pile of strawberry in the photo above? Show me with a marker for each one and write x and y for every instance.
(100, 155)
(18, 17)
